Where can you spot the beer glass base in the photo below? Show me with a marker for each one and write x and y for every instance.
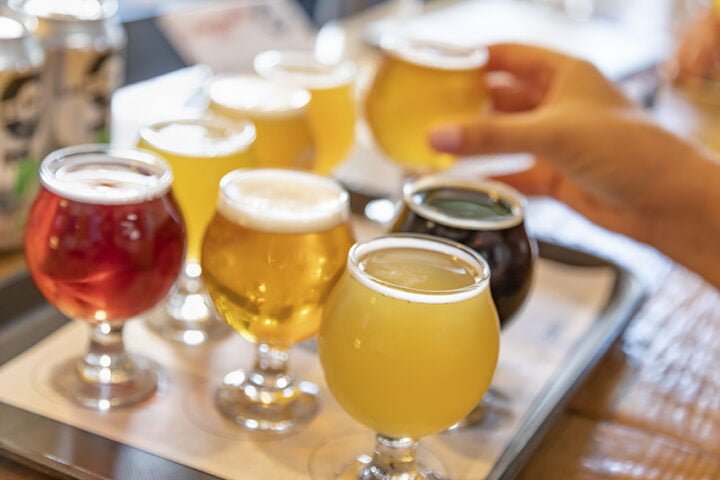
(138, 381)
(326, 463)
(187, 332)
(264, 409)
(492, 410)
(188, 316)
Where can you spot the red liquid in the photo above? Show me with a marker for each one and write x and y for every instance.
(104, 262)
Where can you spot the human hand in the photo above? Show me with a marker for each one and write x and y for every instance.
(698, 50)
(600, 154)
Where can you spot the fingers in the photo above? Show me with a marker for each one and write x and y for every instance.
(495, 133)
(510, 94)
(531, 63)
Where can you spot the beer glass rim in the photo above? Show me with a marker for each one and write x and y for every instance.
(493, 189)
(423, 242)
(262, 220)
(133, 158)
(269, 64)
(299, 98)
(457, 57)
(243, 129)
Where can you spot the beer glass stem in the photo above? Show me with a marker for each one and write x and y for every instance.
(271, 365)
(394, 458)
(106, 361)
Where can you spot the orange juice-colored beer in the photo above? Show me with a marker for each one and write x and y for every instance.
(401, 354)
(417, 86)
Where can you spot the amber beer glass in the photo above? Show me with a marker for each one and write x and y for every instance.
(332, 104)
(417, 85)
(104, 243)
(201, 151)
(276, 245)
(485, 216)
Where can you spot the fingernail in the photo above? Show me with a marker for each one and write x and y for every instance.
(446, 139)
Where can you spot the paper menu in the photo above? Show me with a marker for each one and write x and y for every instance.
(226, 35)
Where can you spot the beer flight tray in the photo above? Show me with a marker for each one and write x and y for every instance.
(63, 451)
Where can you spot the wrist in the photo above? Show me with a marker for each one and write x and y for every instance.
(687, 225)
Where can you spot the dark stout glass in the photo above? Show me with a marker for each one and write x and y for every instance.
(485, 216)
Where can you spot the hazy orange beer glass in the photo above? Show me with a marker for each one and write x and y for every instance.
(409, 344)
(417, 85)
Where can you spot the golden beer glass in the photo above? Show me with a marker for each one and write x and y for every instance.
(417, 86)
(409, 344)
(280, 115)
(201, 151)
(332, 103)
(271, 254)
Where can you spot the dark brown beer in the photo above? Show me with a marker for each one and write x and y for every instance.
(485, 216)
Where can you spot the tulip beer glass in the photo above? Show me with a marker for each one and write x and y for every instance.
(104, 243)
(200, 151)
(275, 247)
(409, 344)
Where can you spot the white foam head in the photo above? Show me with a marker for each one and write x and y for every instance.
(243, 96)
(200, 137)
(302, 69)
(435, 55)
(282, 201)
(105, 175)
(420, 242)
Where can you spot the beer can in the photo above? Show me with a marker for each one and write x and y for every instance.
(84, 44)
(22, 104)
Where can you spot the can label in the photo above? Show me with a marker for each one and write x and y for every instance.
(83, 81)
(21, 142)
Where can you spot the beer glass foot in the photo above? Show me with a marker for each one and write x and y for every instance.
(128, 381)
(402, 461)
(188, 316)
(257, 403)
(492, 410)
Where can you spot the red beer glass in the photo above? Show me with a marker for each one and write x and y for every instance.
(104, 242)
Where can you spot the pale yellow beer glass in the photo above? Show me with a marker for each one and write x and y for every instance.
(332, 103)
(418, 85)
(280, 114)
(200, 150)
(271, 254)
(409, 344)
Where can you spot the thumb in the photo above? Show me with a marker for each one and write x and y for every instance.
(494, 133)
